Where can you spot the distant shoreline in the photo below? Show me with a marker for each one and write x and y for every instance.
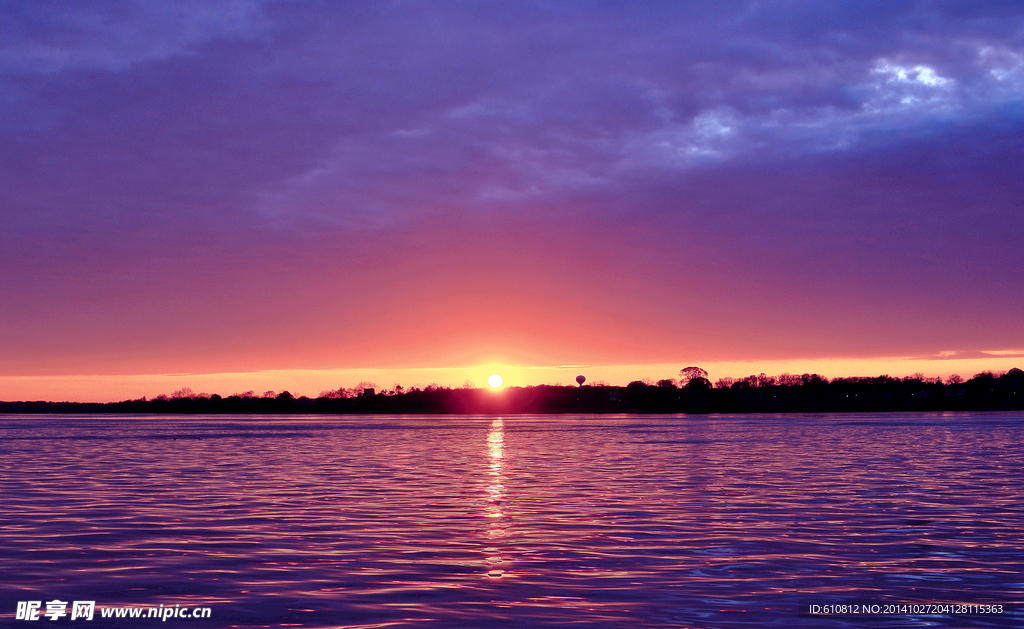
(797, 394)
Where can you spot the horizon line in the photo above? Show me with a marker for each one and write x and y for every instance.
(312, 382)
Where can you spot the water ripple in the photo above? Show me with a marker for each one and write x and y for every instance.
(516, 521)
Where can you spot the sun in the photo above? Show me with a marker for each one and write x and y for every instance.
(495, 381)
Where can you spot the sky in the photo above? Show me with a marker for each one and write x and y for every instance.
(294, 194)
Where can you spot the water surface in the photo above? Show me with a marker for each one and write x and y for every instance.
(517, 521)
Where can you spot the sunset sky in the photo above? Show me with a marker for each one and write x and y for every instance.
(306, 195)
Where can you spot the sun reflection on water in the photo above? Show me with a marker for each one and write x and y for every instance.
(495, 493)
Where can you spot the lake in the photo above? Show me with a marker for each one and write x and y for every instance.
(516, 521)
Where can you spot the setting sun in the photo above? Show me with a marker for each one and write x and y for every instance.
(494, 381)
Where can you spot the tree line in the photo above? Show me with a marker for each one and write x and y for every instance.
(692, 392)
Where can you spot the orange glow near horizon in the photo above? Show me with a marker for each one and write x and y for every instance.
(310, 382)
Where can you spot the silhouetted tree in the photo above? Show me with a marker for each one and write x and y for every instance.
(689, 373)
(183, 392)
(789, 380)
(335, 394)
